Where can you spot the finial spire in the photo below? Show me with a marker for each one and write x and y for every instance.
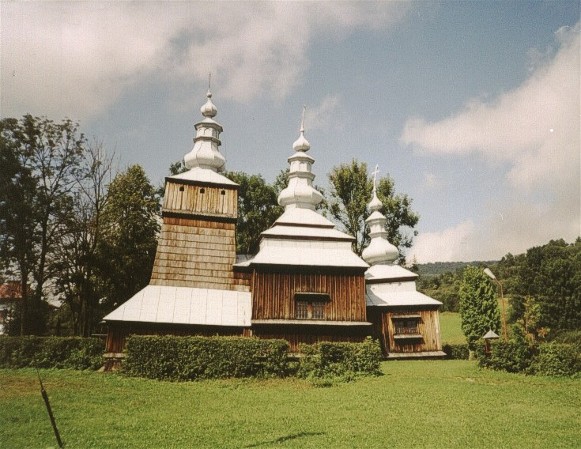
(374, 173)
(302, 144)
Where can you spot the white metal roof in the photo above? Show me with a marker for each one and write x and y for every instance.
(185, 305)
(303, 217)
(204, 175)
(308, 232)
(388, 272)
(298, 252)
(397, 294)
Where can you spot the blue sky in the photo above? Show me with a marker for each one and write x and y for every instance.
(473, 108)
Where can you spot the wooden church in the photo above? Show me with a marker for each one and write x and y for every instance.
(305, 284)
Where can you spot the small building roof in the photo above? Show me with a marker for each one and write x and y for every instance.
(397, 294)
(203, 175)
(186, 305)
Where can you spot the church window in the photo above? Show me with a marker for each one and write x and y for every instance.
(223, 192)
(310, 306)
(202, 190)
(406, 325)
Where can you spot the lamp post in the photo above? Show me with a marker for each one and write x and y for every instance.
(488, 337)
(491, 275)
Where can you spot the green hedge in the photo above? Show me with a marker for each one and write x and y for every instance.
(338, 359)
(51, 352)
(456, 351)
(557, 359)
(191, 358)
(514, 356)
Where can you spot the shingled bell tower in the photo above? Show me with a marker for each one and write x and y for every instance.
(197, 245)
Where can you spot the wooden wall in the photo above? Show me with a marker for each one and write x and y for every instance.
(200, 199)
(297, 335)
(428, 325)
(273, 294)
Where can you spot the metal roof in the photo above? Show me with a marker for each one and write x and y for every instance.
(388, 272)
(204, 175)
(185, 305)
(397, 294)
(301, 252)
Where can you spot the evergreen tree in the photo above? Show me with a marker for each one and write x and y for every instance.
(478, 306)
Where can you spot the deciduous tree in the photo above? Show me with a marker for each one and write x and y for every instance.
(351, 191)
(43, 159)
(257, 210)
(130, 224)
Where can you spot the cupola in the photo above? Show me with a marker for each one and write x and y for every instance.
(206, 153)
(300, 192)
(379, 251)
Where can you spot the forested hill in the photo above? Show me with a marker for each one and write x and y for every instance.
(429, 270)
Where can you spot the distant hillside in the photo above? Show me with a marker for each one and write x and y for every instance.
(428, 270)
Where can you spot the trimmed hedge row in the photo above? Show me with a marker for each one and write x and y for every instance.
(548, 359)
(191, 358)
(51, 352)
(456, 351)
(338, 359)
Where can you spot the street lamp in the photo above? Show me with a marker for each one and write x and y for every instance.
(491, 275)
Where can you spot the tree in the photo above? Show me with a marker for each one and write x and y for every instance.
(43, 159)
(547, 277)
(130, 224)
(478, 306)
(258, 209)
(77, 258)
(351, 192)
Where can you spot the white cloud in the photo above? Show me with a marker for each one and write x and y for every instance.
(534, 130)
(327, 113)
(77, 58)
(444, 246)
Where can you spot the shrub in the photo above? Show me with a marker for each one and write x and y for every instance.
(557, 359)
(572, 337)
(51, 352)
(344, 360)
(191, 358)
(456, 351)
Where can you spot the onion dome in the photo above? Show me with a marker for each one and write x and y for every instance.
(206, 153)
(300, 192)
(379, 251)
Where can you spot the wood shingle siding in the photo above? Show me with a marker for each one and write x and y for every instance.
(196, 253)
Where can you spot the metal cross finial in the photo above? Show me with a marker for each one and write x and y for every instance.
(374, 173)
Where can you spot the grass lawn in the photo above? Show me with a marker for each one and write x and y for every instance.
(450, 329)
(422, 404)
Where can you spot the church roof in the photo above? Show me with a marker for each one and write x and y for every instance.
(186, 305)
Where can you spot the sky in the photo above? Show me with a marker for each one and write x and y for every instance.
(472, 108)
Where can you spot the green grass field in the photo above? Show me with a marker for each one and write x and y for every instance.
(415, 404)
(450, 329)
